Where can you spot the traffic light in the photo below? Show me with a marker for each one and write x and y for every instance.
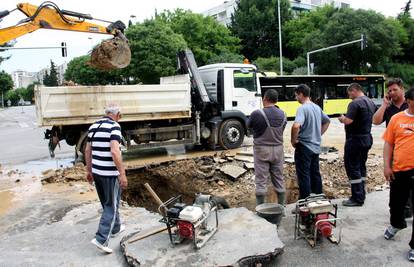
(364, 42)
(64, 50)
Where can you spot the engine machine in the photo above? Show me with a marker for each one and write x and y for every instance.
(316, 217)
(197, 222)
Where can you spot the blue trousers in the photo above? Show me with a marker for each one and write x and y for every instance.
(355, 158)
(307, 171)
(109, 194)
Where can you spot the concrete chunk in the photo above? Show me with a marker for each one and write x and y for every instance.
(232, 170)
(249, 165)
(244, 158)
(243, 238)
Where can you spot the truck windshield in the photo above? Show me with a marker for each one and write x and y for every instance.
(245, 79)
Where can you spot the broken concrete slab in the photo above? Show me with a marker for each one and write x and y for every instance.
(249, 165)
(289, 160)
(233, 171)
(242, 239)
(329, 157)
(244, 158)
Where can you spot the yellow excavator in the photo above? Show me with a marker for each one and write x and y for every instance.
(110, 54)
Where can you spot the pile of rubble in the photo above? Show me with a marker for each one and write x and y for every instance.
(224, 175)
(67, 175)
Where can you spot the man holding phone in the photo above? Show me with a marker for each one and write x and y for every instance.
(393, 102)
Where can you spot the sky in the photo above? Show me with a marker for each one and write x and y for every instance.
(81, 43)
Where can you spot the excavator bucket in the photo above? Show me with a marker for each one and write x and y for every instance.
(111, 54)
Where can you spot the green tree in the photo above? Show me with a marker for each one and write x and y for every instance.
(226, 57)
(329, 26)
(408, 24)
(80, 72)
(13, 96)
(6, 84)
(255, 22)
(204, 35)
(51, 78)
(28, 93)
(154, 46)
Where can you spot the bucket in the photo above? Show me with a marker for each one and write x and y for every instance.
(272, 212)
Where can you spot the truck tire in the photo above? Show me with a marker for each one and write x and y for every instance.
(231, 134)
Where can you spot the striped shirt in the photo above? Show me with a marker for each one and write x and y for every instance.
(100, 135)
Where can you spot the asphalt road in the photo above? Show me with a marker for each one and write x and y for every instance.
(21, 140)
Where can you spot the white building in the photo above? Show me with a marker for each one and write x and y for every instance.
(23, 78)
(223, 12)
(60, 73)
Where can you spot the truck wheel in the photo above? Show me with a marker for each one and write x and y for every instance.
(80, 148)
(231, 134)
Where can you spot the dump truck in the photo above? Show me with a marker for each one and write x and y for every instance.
(206, 106)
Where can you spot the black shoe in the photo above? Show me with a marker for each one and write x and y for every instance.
(351, 203)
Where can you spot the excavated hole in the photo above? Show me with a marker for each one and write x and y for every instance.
(186, 178)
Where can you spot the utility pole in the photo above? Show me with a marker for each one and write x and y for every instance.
(280, 38)
(362, 40)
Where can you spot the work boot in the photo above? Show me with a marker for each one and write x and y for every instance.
(260, 199)
(281, 198)
(351, 203)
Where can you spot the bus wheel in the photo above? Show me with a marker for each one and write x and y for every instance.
(231, 134)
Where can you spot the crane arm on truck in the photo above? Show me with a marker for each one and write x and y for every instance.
(49, 16)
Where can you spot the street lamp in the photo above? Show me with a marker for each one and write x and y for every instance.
(280, 37)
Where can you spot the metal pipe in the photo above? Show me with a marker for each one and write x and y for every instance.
(329, 47)
(198, 130)
(280, 38)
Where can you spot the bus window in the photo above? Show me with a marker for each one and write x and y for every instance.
(245, 79)
(341, 91)
(289, 93)
(330, 92)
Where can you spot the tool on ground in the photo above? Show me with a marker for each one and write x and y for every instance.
(110, 54)
(157, 199)
(197, 222)
(146, 234)
(316, 217)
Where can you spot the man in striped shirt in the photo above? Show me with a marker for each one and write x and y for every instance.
(104, 166)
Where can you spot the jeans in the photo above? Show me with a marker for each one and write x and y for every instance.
(307, 171)
(109, 194)
(400, 189)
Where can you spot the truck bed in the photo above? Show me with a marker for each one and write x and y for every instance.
(74, 105)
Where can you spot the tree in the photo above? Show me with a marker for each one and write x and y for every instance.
(28, 93)
(329, 26)
(407, 22)
(80, 72)
(6, 84)
(206, 37)
(255, 22)
(51, 78)
(154, 46)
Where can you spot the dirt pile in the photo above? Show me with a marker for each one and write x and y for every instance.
(69, 174)
(221, 175)
(111, 54)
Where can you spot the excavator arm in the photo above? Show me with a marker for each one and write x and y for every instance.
(49, 16)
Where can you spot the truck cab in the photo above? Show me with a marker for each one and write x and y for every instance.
(235, 90)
